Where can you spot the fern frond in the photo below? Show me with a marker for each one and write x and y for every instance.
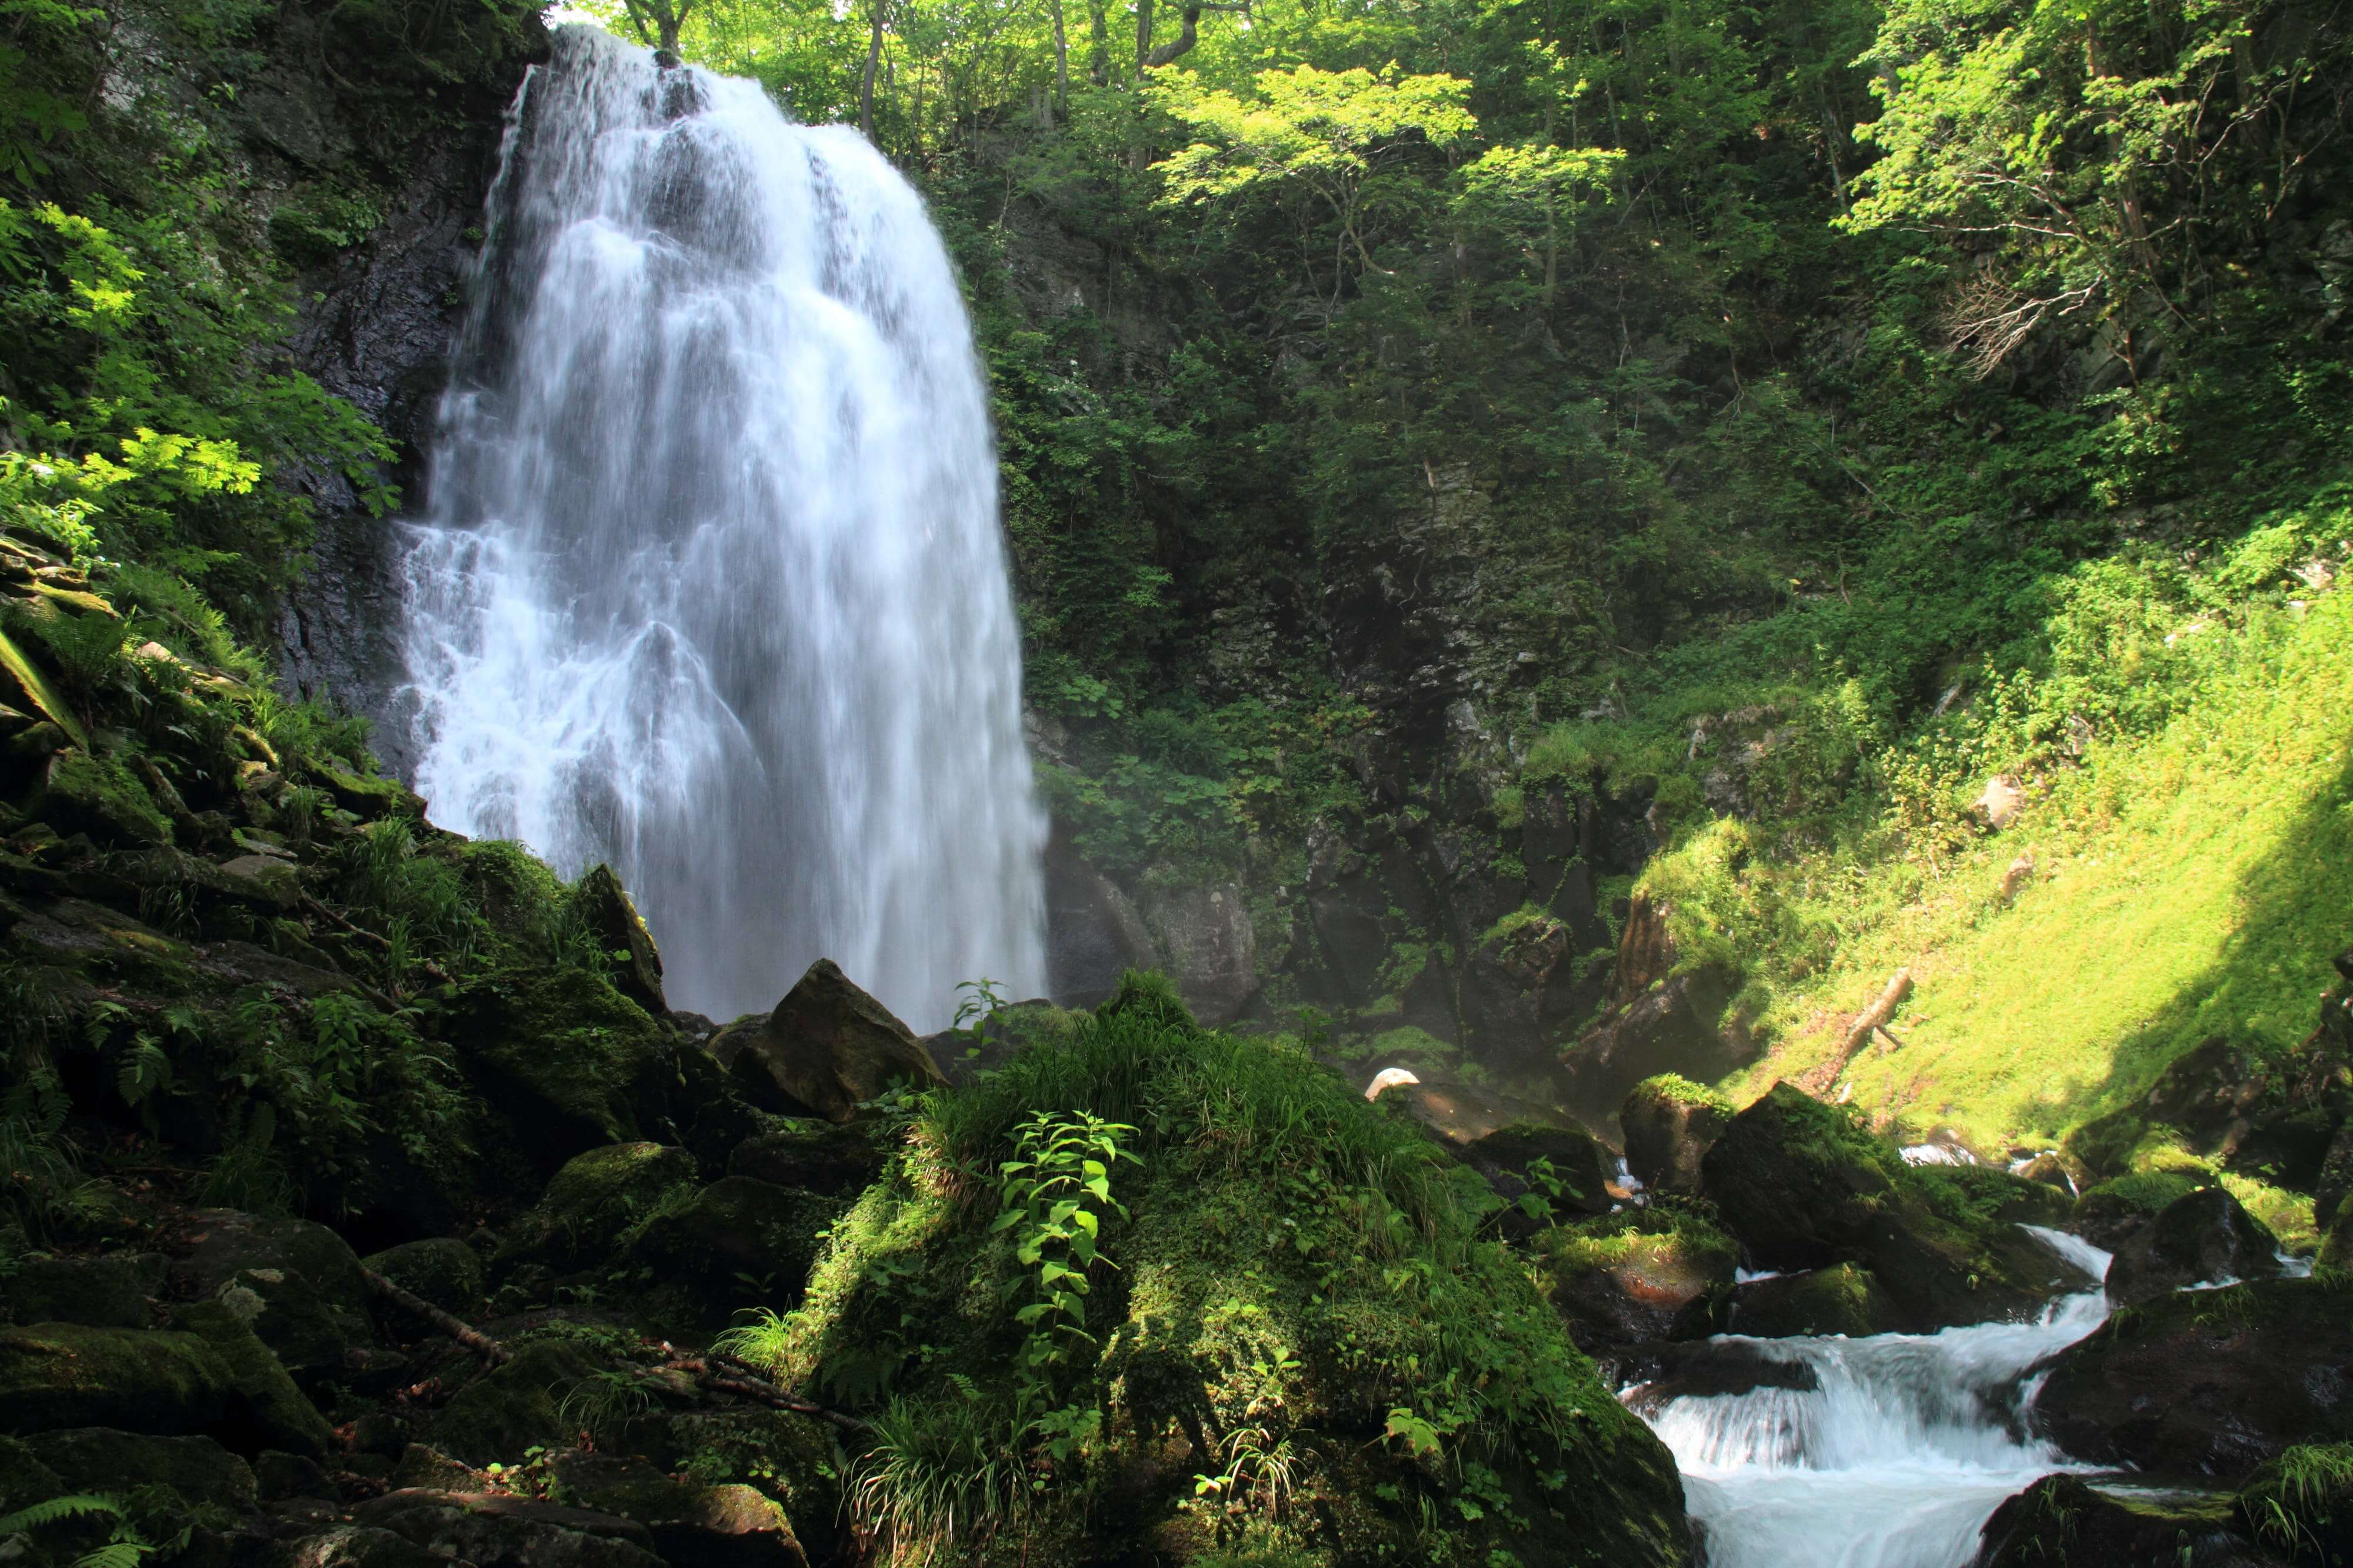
(114, 1554)
(80, 1505)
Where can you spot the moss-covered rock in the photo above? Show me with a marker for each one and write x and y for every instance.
(2109, 1212)
(1639, 1274)
(2209, 1383)
(1669, 1124)
(268, 1411)
(826, 1048)
(836, 1159)
(798, 1461)
(297, 1283)
(2064, 1520)
(590, 1205)
(499, 1530)
(55, 1376)
(512, 1408)
(112, 1290)
(79, 792)
(2337, 1242)
(725, 1526)
(102, 1459)
(2201, 1236)
(441, 1271)
(24, 1479)
(1803, 1186)
(1300, 1302)
(1567, 1168)
(567, 1059)
(1844, 1299)
(1799, 1182)
(737, 1243)
(612, 919)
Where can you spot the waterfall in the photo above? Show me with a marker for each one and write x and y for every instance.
(1896, 1455)
(710, 585)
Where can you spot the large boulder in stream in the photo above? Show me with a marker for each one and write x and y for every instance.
(2202, 1237)
(1639, 1274)
(826, 1048)
(2207, 1382)
(1670, 1123)
(2062, 1519)
(1803, 1185)
(1844, 1299)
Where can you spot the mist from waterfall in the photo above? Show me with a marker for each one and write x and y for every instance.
(712, 585)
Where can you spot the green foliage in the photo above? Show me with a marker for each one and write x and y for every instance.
(2301, 1502)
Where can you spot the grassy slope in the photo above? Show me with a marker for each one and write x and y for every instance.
(2190, 885)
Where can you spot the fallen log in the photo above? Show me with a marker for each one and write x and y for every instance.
(473, 1339)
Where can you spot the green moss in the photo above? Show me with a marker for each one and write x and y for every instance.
(1683, 1091)
(1296, 1274)
(100, 796)
(2138, 1194)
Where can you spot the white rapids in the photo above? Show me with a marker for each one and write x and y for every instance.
(1896, 1460)
(711, 585)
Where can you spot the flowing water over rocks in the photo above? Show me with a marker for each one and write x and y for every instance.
(1890, 1452)
(712, 585)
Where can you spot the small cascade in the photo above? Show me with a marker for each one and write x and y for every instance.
(1895, 1457)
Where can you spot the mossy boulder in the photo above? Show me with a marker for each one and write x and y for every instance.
(836, 1159)
(1567, 1168)
(55, 1376)
(500, 1530)
(112, 1290)
(441, 1271)
(2108, 1213)
(267, 1410)
(2201, 1236)
(2336, 1241)
(725, 1526)
(2066, 1520)
(570, 1061)
(1843, 1299)
(798, 1461)
(1803, 1186)
(826, 1048)
(1799, 1182)
(591, 1202)
(612, 919)
(1987, 1194)
(103, 1458)
(79, 792)
(2209, 1383)
(297, 1283)
(2300, 1505)
(737, 1243)
(24, 1479)
(1639, 1274)
(1669, 1124)
(502, 1412)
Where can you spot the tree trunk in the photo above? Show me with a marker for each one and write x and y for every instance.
(873, 63)
(1142, 35)
(1182, 43)
(1061, 64)
(1099, 45)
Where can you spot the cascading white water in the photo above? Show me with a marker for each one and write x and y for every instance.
(712, 585)
(1894, 1459)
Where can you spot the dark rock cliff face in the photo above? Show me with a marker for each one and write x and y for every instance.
(373, 193)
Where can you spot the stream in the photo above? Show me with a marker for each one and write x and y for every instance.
(1894, 1459)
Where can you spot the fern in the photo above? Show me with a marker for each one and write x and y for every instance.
(144, 1070)
(115, 1554)
(80, 1505)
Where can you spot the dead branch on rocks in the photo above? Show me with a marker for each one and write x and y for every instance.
(721, 1375)
(473, 1339)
